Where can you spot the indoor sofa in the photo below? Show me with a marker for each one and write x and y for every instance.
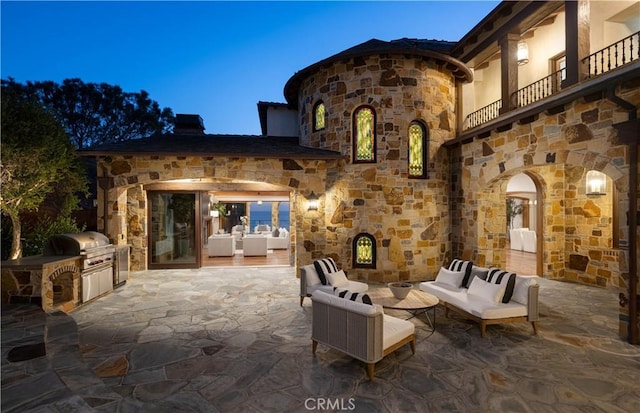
(486, 295)
(278, 239)
(221, 246)
(323, 275)
(359, 330)
(254, 245)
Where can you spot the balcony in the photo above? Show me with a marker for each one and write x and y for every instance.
(614, 56)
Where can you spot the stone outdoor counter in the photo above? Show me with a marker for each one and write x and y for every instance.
(53, 282)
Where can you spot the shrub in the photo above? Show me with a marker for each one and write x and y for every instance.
(36, 237)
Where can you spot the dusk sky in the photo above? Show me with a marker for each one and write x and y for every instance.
(215, 59)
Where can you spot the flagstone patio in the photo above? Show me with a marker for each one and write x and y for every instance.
(237, 340)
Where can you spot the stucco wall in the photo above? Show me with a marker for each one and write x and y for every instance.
(409, 218)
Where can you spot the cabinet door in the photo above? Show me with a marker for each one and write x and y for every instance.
(105, 280)
(89, 287)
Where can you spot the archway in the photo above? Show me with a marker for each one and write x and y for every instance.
(524, 224)
(493, 224)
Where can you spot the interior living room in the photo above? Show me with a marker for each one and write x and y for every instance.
(228, 213)
(247, 214)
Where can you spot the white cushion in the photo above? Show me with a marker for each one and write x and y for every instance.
(395, 329)
(493, 293)
(521, 290)
(452, 278)
(472, 304)
(440, 290)
(337, 279)
(482, 308)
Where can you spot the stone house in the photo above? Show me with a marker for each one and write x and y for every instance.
(410, 146)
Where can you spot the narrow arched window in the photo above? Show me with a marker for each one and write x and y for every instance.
(364, 135)
(364, 251)
(418, 149)
(318, 116)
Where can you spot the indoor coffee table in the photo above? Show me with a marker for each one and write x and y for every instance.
(417, 302)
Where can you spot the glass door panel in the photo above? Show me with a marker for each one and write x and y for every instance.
(173, 232)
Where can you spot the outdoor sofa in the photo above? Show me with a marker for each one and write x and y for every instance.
(486, 295)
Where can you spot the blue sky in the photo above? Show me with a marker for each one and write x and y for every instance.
(216, 59)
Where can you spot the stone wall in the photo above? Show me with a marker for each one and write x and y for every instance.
(409, 218)
(126, 197)
(556, 150)
(53, 282)
(589, 252)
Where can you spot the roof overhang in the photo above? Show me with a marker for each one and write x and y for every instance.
(219, 146)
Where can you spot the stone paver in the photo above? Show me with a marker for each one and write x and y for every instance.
(237, 340)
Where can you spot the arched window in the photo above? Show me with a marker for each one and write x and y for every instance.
(418, 149)
(364, 251)
(364, 135)
(318, 116)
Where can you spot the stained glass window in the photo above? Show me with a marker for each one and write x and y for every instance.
(364, 141)
(364, 251)
(417, 150)
(318, 116)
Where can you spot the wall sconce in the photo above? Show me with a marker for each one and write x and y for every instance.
(312, 202)
(596, 183)
(523, 53)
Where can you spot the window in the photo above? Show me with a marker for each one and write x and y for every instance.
(364, 251)
(364, 135)
(558, 67)
(418, 148)
(318, 116)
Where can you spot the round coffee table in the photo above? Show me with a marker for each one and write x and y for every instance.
(417, 302)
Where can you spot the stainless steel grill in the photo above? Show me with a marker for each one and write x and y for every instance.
(94, 248)
(97, 261)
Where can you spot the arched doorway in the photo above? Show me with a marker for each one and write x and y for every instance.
(494, 224)
(523, 206)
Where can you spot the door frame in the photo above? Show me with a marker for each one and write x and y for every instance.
(197, 231)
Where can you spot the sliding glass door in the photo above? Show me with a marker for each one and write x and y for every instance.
(174, 230)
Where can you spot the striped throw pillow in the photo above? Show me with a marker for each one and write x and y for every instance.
(462, 266)
(505, 279)
(348, 295)
(323, 267)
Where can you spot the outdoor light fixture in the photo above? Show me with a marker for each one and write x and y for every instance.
(522, 53)
(313, 202)
(596, 183)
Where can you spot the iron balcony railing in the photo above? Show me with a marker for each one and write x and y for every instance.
(483, 115)
(540, 89)
(613, 56)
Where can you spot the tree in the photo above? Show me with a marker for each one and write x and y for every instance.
(93, 113)
(37, 158)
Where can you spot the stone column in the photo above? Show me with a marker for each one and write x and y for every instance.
(275, 216)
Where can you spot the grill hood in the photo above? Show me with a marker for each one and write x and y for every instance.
(74, 244)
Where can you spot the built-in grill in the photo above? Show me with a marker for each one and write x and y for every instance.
(97, 259)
